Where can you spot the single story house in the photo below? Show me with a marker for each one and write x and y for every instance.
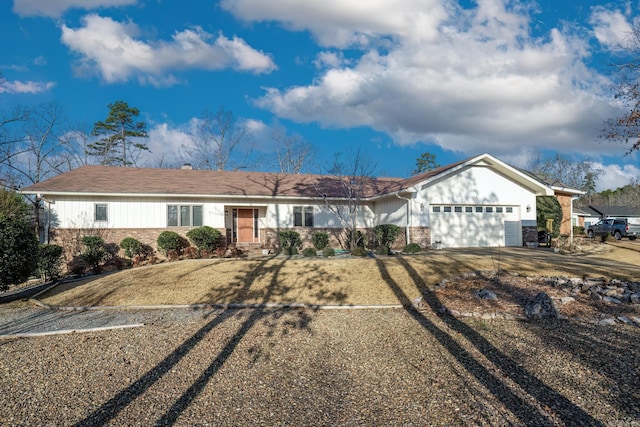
(480, 201)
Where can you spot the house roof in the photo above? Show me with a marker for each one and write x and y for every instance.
(610, 211)
(113, 180)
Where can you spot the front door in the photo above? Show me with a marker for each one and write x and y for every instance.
(245, 226)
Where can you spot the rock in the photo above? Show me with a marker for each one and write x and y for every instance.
(635, 320)
(566, 300)
(624, 319)
(612, 300)
(635, 298)
(541, 307)
(607, 322)
(486, 294)
(609, 292)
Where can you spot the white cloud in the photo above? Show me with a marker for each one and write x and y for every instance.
(55, 8)
(611, 28)
(342, 23)
(114, 51)
(616, 176)
(165, 144)
(17, 86)
(482, 84)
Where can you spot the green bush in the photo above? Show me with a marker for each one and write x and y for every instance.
(548, 207)
(578, 230)
(50, 261)
(359, 251)
(205, 238)
(291, 250)
(320, 240)
(386, 234)
(328, 251)
(383, 250)
(412, 248)
(132, 247)
(310, 252)
(94, 252)
(290, 239)
(171, 242)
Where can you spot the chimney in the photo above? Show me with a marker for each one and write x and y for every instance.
(187, 166)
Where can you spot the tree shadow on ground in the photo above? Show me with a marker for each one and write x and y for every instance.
(110, 409)
(516, 403)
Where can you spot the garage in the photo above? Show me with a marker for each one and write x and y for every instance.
(459, 226)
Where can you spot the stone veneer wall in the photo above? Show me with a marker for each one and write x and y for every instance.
(529, 234)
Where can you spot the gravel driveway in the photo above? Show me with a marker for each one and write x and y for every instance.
(325, 367)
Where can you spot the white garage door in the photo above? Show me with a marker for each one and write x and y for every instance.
(473, 226)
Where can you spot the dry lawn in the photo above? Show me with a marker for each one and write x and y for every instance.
(335, 281)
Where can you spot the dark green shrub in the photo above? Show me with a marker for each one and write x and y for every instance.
(94, 252)
(320, 240)
(205, 238)
(386, 234)
(383, 250)
(604, 237)
(171, 243)
(328, 251)
(291, 250)
(18, 243)
(309, 252)
(50, 261)
(412, 248)
(132, 247)
(290, 239)
(359, 251)
(548, 207)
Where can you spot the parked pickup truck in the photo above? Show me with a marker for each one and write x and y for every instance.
(617, 227)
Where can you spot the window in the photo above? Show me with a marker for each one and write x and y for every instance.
(303, 216)
(458, 209)
(479, 209)
(509, 210)
(436, 209)
(488, 209)
(184, 215)
(499, 209)
(447, 209)
(468, 209)
(100, 212)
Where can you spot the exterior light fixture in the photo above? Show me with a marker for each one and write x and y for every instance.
(528, 208)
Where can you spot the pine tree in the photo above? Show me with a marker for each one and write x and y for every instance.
(119, 136)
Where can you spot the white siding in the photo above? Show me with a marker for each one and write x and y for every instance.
(281, 215)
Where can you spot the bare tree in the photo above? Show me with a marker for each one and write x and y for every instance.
(219, 142)
(293, 152)
(344, 190)
(562, 170)
(625, 129)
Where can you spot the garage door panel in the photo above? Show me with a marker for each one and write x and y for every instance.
(465, 229)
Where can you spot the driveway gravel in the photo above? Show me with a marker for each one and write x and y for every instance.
(324, 367)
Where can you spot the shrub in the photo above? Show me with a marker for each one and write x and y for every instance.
(50, 261)
(191, 253)
(412, 248)
(359, 251)
(309, 252)
(604, 237)
(383, 250)
(291, 250)
(290, 239)
(170, 241)
(18, 243)
(328, 251)
(578, 230)
(94, 252)
(205, 238)
(131, 246)
(386, 234)
(320, 240)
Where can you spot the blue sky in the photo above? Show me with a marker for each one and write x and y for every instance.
(396, 78)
